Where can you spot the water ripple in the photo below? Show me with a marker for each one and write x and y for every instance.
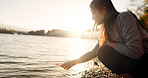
(10, 62)
(8, 56)
(24, 76)
(37, 70)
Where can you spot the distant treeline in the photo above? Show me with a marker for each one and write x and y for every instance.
(38, 32)
(8, 31)
(54, 32)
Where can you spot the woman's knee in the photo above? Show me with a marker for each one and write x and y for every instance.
(104, 51)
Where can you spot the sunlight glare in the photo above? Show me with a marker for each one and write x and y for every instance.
(76, 48)
(76, 20)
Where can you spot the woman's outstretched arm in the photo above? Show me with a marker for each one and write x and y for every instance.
(86, 57)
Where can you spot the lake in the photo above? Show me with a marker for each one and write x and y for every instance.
(27, 56)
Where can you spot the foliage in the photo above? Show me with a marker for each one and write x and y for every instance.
(141, 11)
(8, 31)
(38, 32)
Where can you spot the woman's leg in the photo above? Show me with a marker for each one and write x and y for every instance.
(143, 66)
(115, 61)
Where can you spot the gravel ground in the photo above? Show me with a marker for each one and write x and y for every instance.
(99, 71)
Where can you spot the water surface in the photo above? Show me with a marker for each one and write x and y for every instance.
(27, 56)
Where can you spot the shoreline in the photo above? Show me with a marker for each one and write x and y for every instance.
(99, 71)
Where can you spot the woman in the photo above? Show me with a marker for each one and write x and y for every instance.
(123, 45)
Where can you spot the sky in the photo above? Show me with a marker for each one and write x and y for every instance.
(51, 14)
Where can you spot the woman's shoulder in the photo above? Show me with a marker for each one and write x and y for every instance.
(125, 20)
(125, 15)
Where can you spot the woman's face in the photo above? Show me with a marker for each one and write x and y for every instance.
(98, 16)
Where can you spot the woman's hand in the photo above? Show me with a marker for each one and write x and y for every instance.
(68, 65)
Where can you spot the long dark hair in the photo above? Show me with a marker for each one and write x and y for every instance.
(109, 17)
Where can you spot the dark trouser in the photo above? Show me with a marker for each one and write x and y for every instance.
(119, 63)
(142, 71)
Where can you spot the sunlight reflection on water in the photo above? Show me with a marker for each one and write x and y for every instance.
(77, 47)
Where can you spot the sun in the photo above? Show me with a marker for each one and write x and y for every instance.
(75, 20)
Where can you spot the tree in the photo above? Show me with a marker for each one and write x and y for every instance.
(141, 11)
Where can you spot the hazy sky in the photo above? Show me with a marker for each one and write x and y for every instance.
(49, 14)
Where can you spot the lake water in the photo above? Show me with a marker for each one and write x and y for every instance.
(27, 56)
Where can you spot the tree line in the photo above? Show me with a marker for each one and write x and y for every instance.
(141, 11)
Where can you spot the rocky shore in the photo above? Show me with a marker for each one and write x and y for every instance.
(99, 71)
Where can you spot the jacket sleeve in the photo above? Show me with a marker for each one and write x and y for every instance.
(96, 48)
(128, 29)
